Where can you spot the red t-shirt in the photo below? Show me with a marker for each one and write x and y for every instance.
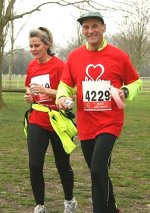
(110, 64)
(48, 75)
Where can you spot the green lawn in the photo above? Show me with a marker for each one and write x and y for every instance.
(130, 170)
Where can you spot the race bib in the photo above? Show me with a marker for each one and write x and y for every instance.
(43, 80)
(96, 95)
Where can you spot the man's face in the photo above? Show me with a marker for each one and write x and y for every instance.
(93, 30)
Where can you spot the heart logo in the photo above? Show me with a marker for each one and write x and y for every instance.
(94, 72)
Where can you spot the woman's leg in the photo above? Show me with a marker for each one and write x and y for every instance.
(37, 140)
(62, 161)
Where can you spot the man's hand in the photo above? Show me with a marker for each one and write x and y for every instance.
(63, 102)
(118, 96)
(121, 94)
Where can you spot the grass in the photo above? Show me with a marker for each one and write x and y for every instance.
(130, 170)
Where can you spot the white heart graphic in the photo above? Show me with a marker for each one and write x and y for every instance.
(94, 66)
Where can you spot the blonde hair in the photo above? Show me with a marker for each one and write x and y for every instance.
(45, 35)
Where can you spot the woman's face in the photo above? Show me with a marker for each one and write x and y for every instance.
(38, 48)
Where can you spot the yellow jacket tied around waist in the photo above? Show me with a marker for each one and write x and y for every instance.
(63, 126)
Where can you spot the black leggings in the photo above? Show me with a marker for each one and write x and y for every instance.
(97, 153)
(38, 141)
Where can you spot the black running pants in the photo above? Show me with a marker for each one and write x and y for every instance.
(97, 154)
(38, 140)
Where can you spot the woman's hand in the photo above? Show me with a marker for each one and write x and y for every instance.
(37, 88)
(28, 97)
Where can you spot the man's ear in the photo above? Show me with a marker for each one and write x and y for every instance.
(104, 28)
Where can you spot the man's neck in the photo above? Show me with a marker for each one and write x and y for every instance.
(98, 47)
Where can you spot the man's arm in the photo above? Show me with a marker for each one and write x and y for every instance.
(132, 90)
(64, 93)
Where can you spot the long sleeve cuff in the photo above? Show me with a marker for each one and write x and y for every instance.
(64, 90)
(134, 89)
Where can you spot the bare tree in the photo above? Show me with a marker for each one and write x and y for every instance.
(134, 32)
(75, 41)
(11, 27)
(12, 38)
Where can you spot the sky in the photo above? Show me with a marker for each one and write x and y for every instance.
(60, 20)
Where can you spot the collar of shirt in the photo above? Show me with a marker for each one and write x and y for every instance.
(104, 44)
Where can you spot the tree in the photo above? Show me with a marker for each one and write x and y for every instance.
(72, 43)
(19, 63)
(11, 55)
(134, 32)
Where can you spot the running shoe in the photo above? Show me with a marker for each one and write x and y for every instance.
(39, 209)
(70, 206)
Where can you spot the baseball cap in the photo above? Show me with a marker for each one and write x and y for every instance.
(90, 14)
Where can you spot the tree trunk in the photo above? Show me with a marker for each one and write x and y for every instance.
(2, 104)
(11, 56)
